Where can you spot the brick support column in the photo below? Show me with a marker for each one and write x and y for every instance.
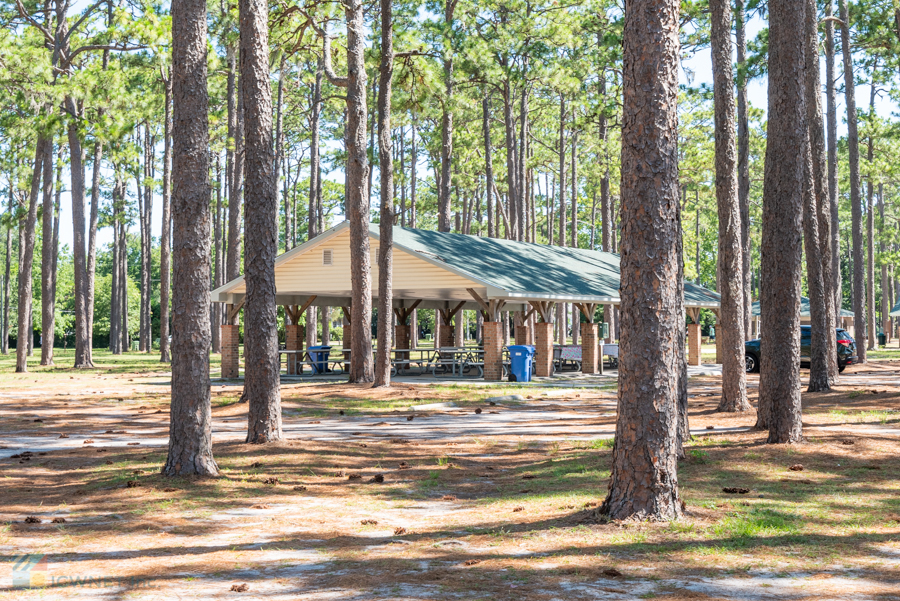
(401, 341)
(446, 334)
(543, 352)
(294, 337)
(230, 351)
(590, 348)
(347, 332)
(523, 334)
(493, 351)
(693, 343)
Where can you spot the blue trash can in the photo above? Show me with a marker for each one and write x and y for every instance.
(319, 356)
(520, 361)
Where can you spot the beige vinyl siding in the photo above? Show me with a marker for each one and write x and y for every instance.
(412, 276)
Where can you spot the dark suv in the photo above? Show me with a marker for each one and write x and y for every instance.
(846, 349)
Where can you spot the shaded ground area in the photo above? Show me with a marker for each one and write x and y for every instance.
(491, 505)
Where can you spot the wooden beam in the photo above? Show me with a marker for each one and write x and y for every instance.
(479, 300)
(234, 310)
(455, 310)
(543, 309)
(529, 314)
(587, 309)
(346, 311)
(289, 311)
(305, 306)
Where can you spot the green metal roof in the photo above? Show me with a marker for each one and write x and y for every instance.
(804, 308)
(895, 312)
(527, 270)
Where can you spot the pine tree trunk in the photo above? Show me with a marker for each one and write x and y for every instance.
(817, 221)
(779, 382)
(644, 481)
(743, 161)
(83, 357)
(26, 250)
(235, 193)
(91, 267)
(859, 291)
(731, 262)
(262, 385)
(386, 227)
(832, 199)
(509, 126)
(315, 169)
(488, 165)
(48, 299)
(218, 275)
(165, 238)
(870, 241)
(562, 172)
(357, 197)
(4, 342)
(190, 433)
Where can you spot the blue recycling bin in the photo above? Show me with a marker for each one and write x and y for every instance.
(520, 361)
(319, 357)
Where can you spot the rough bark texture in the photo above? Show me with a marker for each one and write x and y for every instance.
(488, 165)
(859, 291)
(190, 434)
(236, 174)
(357, 198)
(386, 227)
(83, 357)
(731, 263)
(262, 385)
(779, 382)
(644, 480)
(743, 162)
(4, 343)
(26, 253)
(831, 100)
(817, 220)
(446, 121)
(165, 246)
(48, 276)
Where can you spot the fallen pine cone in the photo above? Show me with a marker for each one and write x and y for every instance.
(735, 490)
(240, 588)
(271, 480)
(399, 531)
(848, 442)
(354, 477)
(478, 410)
(377, 479)
(409, 418)
(403, 465)
(257, 464)
(59, 520)
(32, 520)
(260, 506)
(528, 477)
(471, 562)
(108, 462)
(300, 488)
(63, 435)
(449, 498)
(612, 573)
(517, 509)
(132, 484)
(88, 441)
(710, 427)
(369, 522)
(170, 489)
(797, 467)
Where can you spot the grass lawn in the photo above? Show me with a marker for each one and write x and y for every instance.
(457, 512)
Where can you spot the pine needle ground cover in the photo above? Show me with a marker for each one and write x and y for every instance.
(361, 502)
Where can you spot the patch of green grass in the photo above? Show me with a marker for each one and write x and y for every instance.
(597, 443)
(757, 523)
